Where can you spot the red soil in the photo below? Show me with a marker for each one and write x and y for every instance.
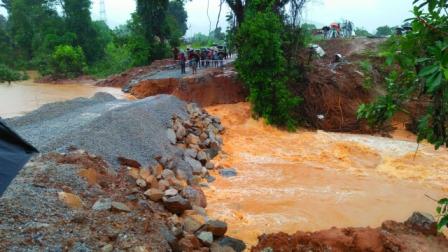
(211, 87)
(391, 236)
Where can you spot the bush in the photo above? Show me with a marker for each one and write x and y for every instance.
(67, 62)
(262, 67)
(116, 60)
(7, 74)
(420, 60)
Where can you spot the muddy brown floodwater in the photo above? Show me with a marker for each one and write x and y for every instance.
(310, 181)
(24, 96)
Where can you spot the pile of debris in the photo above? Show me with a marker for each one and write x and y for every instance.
(76, 201)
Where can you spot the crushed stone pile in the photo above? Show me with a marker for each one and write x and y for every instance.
(74, 201)
(104, 126)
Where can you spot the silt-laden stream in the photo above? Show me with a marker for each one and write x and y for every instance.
(310, 181)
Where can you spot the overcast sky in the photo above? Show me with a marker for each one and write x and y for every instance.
(364, 13)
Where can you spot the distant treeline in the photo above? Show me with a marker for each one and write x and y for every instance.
(59, 37)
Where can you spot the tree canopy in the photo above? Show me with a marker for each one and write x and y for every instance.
(419, 60)
(35, 29)
(267, 41)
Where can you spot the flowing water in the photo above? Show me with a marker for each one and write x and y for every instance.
(293, 181)
(24, 96)
(310, 181)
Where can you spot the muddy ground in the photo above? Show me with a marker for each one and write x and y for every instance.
(391, 236)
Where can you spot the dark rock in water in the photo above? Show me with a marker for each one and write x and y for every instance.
(210, 178)
(217, 227)
(227, 172)
(176, 204)
(171, 239)
(237, 245)
(422, 222)
(129, 162)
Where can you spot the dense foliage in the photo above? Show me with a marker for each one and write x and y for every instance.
(67, 61)
(419, 61)
(35, 28)
(267, 44)
(361, 32)
(7, 74)
(384, 31)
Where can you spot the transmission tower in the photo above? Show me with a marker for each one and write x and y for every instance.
(103, 11)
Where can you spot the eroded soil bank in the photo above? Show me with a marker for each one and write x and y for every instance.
(311, 181)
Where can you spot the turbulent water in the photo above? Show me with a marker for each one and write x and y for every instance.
(293, 181)
(315, 180)
(21, 97)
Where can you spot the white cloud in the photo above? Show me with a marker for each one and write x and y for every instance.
(369, 14)
(364, 13)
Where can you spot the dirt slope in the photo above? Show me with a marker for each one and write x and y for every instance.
(334, 91)
(209, 87)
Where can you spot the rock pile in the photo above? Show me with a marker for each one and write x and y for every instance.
(198, 138)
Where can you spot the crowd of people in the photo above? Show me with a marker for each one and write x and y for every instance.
(201, 58)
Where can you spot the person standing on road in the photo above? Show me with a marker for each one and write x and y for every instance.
(182, 60)
(194, 62)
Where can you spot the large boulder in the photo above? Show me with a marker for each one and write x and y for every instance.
(422, 222)
(176, 204)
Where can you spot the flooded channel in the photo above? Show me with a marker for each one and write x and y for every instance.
(292, 181)
(310, 181)
(24, 96)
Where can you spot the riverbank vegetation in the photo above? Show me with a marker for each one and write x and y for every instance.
(59, 38)
(268, 40)
(420, 71)
(8, 75)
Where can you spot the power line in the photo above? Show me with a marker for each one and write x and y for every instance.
(103, 16)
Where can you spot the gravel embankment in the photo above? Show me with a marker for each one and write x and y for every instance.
(104, 126)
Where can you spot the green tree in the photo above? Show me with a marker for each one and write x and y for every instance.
(6, 52)
(152, 15)
(117, 59)
(6, 4)
(262, 66)
(29, 21)
(361, 32)
(67, 62)
(384, 31)
(217, 34)
(9, 75)
(420, 63)
(78, 21)
(177, 21)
